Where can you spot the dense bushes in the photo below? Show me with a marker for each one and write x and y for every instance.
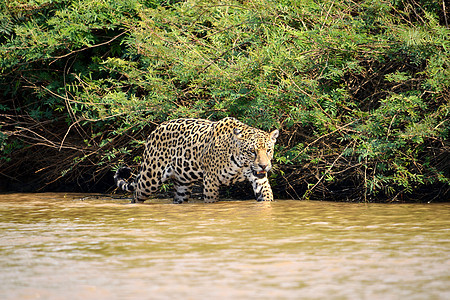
(360, 90)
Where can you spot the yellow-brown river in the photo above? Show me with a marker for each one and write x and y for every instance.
(58, 246)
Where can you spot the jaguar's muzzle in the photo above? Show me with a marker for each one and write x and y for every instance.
(260, 174)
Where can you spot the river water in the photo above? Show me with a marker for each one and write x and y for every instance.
(59, 246)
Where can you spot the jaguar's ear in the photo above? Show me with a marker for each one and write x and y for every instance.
(274, 134)
(237, 133)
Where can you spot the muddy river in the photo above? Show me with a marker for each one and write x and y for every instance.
(61, 246)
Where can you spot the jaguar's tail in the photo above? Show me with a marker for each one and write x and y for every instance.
(123, 183)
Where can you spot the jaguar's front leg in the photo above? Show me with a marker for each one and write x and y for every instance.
(210, 189)
(261, 188)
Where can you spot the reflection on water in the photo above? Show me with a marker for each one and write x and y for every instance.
(54, 246)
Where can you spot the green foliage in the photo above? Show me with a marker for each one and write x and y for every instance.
(359, 89)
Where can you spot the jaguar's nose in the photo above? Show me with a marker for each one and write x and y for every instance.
(263, 166)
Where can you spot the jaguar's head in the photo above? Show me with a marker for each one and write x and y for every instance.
(256, 149)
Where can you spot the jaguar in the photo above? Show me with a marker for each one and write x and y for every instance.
(191, 151)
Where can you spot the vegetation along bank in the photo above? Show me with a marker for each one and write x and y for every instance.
(360, 90)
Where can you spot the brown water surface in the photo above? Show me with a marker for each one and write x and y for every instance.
(56, 246)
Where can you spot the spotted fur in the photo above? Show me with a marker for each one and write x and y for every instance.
(195, 150)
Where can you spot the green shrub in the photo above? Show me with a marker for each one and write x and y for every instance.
(359, 90)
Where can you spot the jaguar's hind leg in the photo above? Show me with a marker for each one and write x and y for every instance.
(146, 183)
(136, 198)
(182, 192)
